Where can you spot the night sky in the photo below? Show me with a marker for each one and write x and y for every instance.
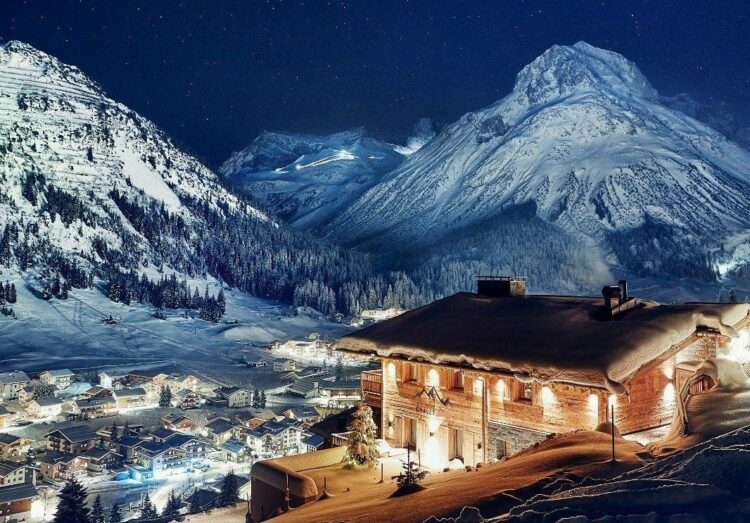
(215, 73)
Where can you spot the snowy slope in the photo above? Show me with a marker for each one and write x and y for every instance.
(584, 136)
(308, 179)
(56, 122)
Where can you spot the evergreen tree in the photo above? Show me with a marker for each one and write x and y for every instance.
(148, 511)
(339, 370)
(114, 514)
(230, 493)
(194, 502)
(113, 432)
(71, 505)
(11, 294)
(256, 399)
(362, 449)
(221, 302)
(126, 428)
(165, 396)
(411, 476)
(262, 400)
(97, 511)
(173, 505)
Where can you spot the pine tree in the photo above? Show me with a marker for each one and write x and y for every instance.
(256, 399)
(165, 396)
(339, 370)
(230, 493)
(221, 302)
(411, 476)
(194, 502)
(113, 432)
(148, 511)
(97, 511)
(126, 428)
(114, 514)
(362, 449)
(71, 506)
(11, 294)
(173, 505)
(262, 400)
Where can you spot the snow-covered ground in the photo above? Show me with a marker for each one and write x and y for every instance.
(72, 334)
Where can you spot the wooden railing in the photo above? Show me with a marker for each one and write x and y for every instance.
(372, 387)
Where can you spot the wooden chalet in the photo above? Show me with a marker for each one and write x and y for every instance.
(480, 376)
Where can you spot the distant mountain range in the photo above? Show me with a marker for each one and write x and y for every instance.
(588, 142)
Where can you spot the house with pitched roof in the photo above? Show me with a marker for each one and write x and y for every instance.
(477, 376)
(58, 378)
(11, 384)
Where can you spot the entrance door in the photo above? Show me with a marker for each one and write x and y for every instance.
(410, 433)
(455, 444)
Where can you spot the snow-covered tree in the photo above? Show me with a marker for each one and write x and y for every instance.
(362, 449)
(71, 505)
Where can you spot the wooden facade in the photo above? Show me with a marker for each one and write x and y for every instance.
(444, 413)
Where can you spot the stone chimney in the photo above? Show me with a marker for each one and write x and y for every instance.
(501, 286)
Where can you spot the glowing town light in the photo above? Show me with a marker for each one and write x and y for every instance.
(548, 397)
(391, 370)
(668, 369)
(478, 386)
(433, 378)
(611, 400)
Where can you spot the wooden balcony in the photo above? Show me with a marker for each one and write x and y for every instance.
(372, 388)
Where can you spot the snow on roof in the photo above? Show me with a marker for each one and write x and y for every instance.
(549, 338)
(48, 402)
(8, 467)
(17, 492)
(59, 373)
(313, 440)
(129, 393)
(13, 377)
(8, 439)
(77, 433)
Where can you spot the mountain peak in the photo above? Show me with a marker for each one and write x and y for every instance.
(562, 70)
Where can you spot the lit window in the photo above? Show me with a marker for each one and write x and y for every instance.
(527, 391)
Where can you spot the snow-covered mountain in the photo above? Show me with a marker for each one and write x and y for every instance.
(309, 179)
(583, 136)
(88, 187)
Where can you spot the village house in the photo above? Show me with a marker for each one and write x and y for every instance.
(126, 446)
(220, 430)
(284, 365)
(26, 394)
(13, 446)
(130, 398)
(96, 407)
(312, 443)
(305, 387)
(100, 460)
(72, 440)
(56, 466)
(58, 378)
(235, 397)
(45, 407)
(11, 384)
(74, 390)
(146, 376)
(275, 438)
(12, 472)
(15, 502)
(479, 376)
(106, 380)
(186, 399)
(96, 392)
(178, 422)
(305, 414)
(156, 460)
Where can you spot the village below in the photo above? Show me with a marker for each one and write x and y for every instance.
(363, 262)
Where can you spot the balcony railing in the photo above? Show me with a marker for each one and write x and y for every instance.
(372, 387)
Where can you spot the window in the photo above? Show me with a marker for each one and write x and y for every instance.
(527, 391)
(458, 379)
(455, 444)
(408, 372)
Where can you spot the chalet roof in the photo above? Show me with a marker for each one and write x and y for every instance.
(129, 393)
(8, 439)
(341, 385)
(95, 402)
(314, 440)
(53, 457)
(48, 402)
(233, 446)
(145, 373)
(153, 448)
(129, 441)
(228, 391)
(59, 373)
(76, 433)
(163, 433)
(548, 338)
(305, 385)
(16, 376)
(96, 453)
(220, 426)
(4, 411)
(8, 467)
(17, 492)
(274, 427)
(74, 389)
